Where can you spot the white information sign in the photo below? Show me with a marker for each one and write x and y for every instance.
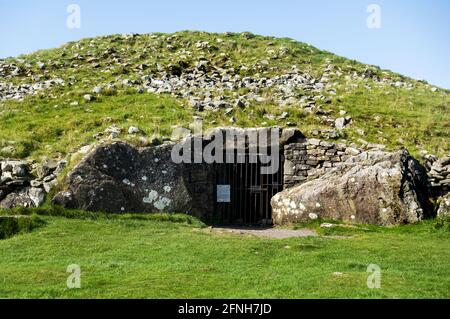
(223, 193)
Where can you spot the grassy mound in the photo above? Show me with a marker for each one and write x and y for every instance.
(386, 108)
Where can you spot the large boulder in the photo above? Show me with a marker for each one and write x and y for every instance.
(374, 187)
(118, 178)
(444, 206)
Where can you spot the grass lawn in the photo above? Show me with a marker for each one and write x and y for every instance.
(152, 258)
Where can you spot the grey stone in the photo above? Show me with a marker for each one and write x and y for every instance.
(444, 206)
(37, 196)
(97, 90)
(114, 131)
(26, 197)
(289, 168)
(47, 167)
(314, 141)
(133, 130)
(340, 123)
(290, 135)
(88, 97)
(374, 187)
(98, 182)
(36, 183)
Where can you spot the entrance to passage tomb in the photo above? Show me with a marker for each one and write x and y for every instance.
(243, 192)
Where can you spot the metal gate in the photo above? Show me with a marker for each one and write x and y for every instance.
(243, 194)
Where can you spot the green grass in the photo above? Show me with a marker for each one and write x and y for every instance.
(155, 258)
(40, 129)
(12, 225)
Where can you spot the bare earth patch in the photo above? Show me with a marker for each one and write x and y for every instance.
(278, 233)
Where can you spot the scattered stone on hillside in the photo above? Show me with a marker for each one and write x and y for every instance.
(326, 134)
(16, 167)
(444, 206)
(140, 90)
(209, 73)
(203, 77)
(10, 91)
(342, 122)
(88, 97)
(360, 132)
(133, 130)
(114, 131)
(7, 150)
(283, 116)
(97, 90)
(373, 187)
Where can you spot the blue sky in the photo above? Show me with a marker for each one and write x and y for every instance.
(414, 38)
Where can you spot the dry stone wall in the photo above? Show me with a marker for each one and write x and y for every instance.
(438, 170)
(25, 183)
(311, 158)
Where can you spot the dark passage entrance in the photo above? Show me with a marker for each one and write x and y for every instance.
(243, 193)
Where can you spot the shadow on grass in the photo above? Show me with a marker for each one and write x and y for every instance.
(13, 225)
(57, 211)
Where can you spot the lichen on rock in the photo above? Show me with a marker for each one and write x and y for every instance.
(374, 187)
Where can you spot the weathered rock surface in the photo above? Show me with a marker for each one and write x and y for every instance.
(18, 185)
(26, 197)
(118, 178)
(374, 187)
(444, 206)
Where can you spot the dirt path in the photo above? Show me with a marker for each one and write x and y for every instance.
(278, 233)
